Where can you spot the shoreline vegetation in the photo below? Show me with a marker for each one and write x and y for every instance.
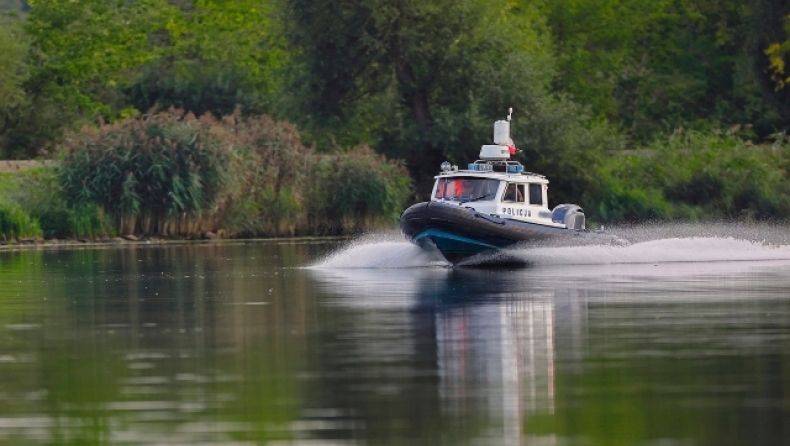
(178, 120)
(133, 241)
(170, 174)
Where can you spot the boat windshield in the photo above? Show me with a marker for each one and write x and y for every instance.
(466, 189)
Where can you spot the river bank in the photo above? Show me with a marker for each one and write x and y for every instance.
(125, 240)
(171, 174)
(134, 241)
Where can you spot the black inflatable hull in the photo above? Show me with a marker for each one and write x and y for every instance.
(460, 232)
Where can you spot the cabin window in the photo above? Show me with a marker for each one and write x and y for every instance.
(536, 194)
(514, 193)
(466, 189)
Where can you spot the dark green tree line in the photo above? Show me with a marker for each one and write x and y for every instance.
(428, 79)
(215, 56)
(394, 73)
(658, 65)
(770, 43)
(418, 81)
(13, 72)
(88, 59)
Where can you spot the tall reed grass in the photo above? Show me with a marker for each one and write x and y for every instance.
(290, 189)
(170, 173)
(163, 173)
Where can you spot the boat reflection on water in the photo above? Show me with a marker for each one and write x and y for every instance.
(494, 336)
(498, 358)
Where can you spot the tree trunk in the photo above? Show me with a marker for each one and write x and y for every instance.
(415, 97)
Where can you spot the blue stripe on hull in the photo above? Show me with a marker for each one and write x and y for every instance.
(453, 245)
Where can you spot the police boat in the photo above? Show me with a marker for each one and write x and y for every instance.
(492, 204)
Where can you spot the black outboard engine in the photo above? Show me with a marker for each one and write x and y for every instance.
(571, 215)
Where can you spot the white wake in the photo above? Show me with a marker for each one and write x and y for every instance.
(717, 244)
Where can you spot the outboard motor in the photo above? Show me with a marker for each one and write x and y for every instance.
(571, 215)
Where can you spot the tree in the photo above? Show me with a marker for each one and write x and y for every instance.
(86, 49)
(215, 55)
(111, 59)
(596, 54)
(76, 55)
(770, 45)
(426, 80)
(14, 70)
(776, 52)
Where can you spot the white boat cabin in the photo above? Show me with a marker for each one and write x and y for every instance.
(497, 188)
(496, 185)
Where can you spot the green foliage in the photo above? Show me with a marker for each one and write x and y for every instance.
(289, 189)
(91, 59)
(561, 141)
(14, 72)
(89, 221)
(691, 63)
(32, 188)
(695, 175)
(154, 171)
(617, 203)
(16, 223)
(596, 55)
(9, 184)
(777, 52)
(75, 55)
(771, 46)
(170, 173)
(428, 79)
(358, 189)
(412, 48)
(727, 176)
(54, 222)
(87, 49)
(271, 177)
(420, 81)
(13, 69)
(215, 56)
(38, 191)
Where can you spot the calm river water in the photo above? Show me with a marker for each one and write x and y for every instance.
(679, 340)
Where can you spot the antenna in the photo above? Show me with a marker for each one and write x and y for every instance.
(509, 113)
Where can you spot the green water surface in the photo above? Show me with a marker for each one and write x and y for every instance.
(240, 344)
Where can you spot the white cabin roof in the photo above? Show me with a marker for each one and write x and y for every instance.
(515, 177)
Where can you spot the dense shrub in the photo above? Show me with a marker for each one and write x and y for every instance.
(357, 189)
(162, 173)
(40, 194)
(289, 189)
(693, 175)
(619, 204)
(89, 221)
(271, 177)
(86, 221)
